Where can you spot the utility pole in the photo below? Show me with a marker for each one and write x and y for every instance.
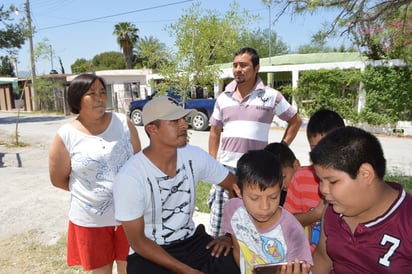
(52, 71)
(32, 63)
(51, 57)
(270, 37)
(270, 74)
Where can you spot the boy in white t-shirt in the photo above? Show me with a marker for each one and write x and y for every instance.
(262, 232)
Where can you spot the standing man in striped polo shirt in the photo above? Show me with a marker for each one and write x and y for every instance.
(241, 122)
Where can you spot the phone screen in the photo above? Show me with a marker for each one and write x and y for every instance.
(267, 268)
(271, 268)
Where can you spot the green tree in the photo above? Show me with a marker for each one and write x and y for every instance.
(389, 38)
(375, 26)
(150, 52)
(6, 67)
(203, 38)
(81, 65)
(318, 43)
(127, 37)
(258, 40)
(44, 51)
(45, 92)
(12, 35)
(108, 61)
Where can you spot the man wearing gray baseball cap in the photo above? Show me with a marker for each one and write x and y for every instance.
(154, 196)
(164, 108)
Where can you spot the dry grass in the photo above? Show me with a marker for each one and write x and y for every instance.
(22, 253)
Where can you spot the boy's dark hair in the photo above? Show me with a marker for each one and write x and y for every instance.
(259, 167)
(322, 122)
(78, 87)
(283, 152)
(253, 53)
(346, 149)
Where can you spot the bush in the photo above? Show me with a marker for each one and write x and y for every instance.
(388, 95)
(332, 89)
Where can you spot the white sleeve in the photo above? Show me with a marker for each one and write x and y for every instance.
(129, 191)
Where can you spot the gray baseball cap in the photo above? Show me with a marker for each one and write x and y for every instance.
(164, 108)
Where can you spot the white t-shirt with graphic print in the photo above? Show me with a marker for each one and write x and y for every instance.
(166, 203)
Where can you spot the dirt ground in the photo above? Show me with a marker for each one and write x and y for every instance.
(33, 213)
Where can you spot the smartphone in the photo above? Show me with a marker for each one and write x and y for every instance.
(270, 268)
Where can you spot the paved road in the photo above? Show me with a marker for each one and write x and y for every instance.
(40, 129)
(28, 200)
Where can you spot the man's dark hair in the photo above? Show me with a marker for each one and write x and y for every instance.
(259, 167)
(322, 122)
(346, 149)
(253, 53)
(78, 87)
(283, 152)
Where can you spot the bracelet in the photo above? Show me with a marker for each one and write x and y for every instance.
(283, 142)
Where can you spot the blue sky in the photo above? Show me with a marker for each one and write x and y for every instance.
(73, 30)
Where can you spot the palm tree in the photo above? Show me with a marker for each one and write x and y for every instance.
(150, 52)
(126, 37)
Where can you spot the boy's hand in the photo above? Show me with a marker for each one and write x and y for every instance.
(219, 245)
(296, 267)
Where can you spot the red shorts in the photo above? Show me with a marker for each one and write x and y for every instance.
(95, 247)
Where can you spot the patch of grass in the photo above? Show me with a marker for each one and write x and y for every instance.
(406, 181)
(12, 143)
(202, 192)
(23, 253)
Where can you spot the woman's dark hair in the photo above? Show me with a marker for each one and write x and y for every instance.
(252, 52)
(78, 87)
(259, 167)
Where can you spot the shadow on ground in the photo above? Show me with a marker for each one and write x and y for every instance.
(30, 119)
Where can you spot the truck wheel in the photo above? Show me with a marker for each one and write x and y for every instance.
(200, 121)
(137, 117)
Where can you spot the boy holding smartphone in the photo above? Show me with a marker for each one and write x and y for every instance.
(261, 231)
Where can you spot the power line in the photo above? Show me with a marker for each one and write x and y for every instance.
(115, 15)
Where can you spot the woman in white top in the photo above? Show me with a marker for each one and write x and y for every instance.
(84, 158)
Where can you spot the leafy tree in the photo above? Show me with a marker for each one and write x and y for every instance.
(44, 51)
(108, 61)
(81, 65)
(203, 38)
(45, 92)
(258, 40)
(127, 37)
(6, 67)
(390, 38)
(352, 12)
(150, 52)
(318, 43)
(12, 35)
(369, 22)
(104, 61)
